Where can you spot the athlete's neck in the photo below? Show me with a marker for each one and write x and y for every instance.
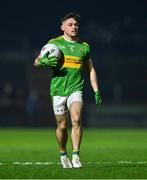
(71, 39)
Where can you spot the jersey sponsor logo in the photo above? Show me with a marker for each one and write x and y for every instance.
(72, 62)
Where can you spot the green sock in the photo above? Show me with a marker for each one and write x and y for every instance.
(63, 153)
(75, 152)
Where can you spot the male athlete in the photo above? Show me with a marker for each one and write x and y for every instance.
(66, 86)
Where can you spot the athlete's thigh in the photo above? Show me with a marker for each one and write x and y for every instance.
(75, 105)
(76, 110)
(60, 109)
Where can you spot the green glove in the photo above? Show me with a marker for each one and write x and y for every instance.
(98, 98)
(49, 61)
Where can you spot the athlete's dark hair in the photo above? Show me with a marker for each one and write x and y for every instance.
(75, 16)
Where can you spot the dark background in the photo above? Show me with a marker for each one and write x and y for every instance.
(117, 33)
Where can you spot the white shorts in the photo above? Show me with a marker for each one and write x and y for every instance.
(61, 103)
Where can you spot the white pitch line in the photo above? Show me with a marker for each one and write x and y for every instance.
(28, 163)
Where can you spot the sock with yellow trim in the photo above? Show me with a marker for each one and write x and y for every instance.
(75, 152)
(63, 153)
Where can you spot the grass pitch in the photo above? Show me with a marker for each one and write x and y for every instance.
(105, 154)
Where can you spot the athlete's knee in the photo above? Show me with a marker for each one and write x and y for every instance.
(61, 122)
(76, 122)
(62, 127)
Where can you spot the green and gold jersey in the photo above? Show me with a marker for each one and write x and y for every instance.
(68, 77)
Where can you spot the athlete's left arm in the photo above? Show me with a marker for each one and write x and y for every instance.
(92, 74)
(94, 81)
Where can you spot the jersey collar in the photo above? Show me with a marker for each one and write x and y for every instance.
(68, 40)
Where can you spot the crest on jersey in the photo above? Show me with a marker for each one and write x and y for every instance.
(71, 47)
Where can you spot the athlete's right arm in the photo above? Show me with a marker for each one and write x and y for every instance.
(36, 62)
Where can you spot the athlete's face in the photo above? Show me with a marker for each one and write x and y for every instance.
(70, 27)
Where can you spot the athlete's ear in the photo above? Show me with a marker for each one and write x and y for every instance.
(62, 27)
